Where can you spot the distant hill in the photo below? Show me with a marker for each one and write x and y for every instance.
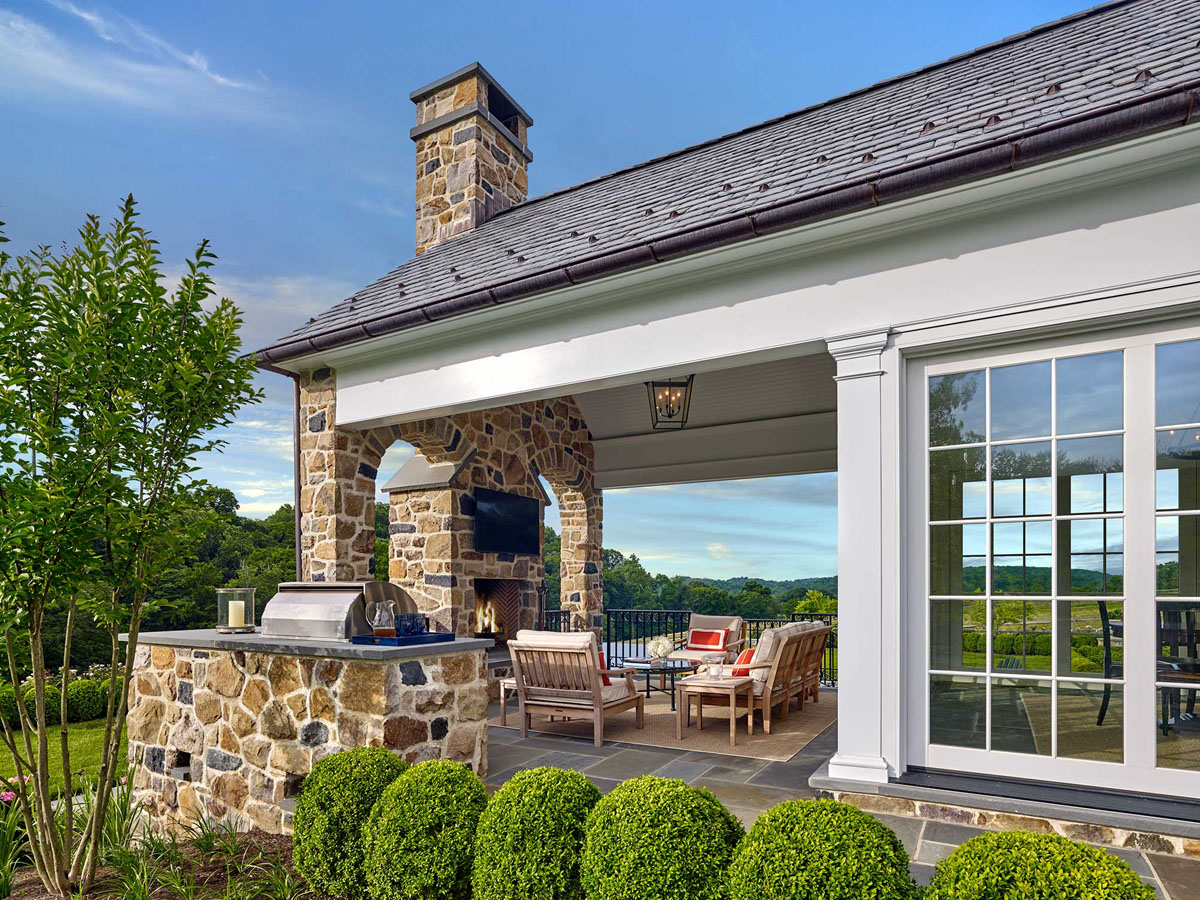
(826, 584)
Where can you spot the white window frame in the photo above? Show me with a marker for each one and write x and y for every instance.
(1138, 772)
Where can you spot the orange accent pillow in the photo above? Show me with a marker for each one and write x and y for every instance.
(746, 656)
(706, 639)
(603, 665)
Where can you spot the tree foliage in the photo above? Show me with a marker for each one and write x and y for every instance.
(110, 386)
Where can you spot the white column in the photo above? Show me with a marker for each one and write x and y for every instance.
(861, 596)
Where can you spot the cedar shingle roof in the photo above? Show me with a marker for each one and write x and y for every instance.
(1110, 72)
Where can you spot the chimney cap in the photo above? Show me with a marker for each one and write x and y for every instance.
(475, 68)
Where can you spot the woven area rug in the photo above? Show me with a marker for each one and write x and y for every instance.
(784, 741)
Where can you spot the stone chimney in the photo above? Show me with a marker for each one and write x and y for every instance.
(471, 153)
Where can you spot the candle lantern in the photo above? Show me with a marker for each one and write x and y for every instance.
(235, 610)
(669, 402)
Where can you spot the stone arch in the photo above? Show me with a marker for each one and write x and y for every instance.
(580, 508)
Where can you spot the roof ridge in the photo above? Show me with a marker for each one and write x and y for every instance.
(841, 98)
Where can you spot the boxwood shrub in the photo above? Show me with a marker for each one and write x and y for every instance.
(53, 704)
(530, 837)
(8, 705)
(84, 701)
(1009, 865)
(420, 839)
(658, 839)
(334, 804)
(819, 850)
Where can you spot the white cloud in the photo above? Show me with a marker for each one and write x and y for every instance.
(130, 66)
(719, 550)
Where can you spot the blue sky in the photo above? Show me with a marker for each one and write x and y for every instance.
(280, 132)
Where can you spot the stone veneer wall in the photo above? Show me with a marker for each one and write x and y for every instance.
(432, 551)
(219, 733)
(467, 171)
(1151, 842)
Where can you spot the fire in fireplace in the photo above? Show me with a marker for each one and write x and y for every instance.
(497, 608)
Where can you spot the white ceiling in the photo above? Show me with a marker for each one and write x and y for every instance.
(771, 418)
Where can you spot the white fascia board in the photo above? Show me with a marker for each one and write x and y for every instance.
(1124, 215)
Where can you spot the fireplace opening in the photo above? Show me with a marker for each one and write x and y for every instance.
(498, 604)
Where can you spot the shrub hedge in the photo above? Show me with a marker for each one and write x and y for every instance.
(1016, 865)
(658, 839)
(334, 804)
(819, 850)
(530, 837)
(84, 701)
(420, 839)
(53, 704)
(8, 705)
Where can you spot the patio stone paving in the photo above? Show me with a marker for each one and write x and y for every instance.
(751, 786)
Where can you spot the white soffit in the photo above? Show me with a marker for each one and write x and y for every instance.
(772, 418)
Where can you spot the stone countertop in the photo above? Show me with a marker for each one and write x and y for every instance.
(211, 639)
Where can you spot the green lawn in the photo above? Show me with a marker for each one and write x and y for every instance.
(85, 740)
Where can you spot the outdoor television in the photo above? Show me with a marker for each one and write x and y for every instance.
(507, 523)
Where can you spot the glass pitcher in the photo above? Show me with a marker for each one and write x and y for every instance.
(381, 614)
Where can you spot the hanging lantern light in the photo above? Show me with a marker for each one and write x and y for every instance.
(669, 401)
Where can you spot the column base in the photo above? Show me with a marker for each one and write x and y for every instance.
(868, 769)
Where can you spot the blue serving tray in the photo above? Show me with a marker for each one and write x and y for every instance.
(406, 640)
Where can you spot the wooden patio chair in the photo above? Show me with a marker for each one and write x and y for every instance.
(773, 668)
(688, 651)
(559, 675)
(806, 682)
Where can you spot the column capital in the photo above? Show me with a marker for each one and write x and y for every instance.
(858, 355)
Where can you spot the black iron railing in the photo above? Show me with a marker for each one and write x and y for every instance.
(557, 620)
(626, 632)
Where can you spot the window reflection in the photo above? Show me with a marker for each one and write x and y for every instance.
(1091, 638)
(957, 559)
(1090, 721)
(958, 635)
(1091, 556)
(1021, 558)
(958, 711)
(1021, 479)
(1021, 716)
(1022, 638)
(1089, 475)
(1177, 556)
(1178, 729)
(1177, 482)
(957, 484)
(1090, 391)
(1177, 383)
(1021, 401)
(957, 409)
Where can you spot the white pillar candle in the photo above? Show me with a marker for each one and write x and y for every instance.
(237, 614)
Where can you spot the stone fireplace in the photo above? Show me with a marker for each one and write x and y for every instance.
(503, 606)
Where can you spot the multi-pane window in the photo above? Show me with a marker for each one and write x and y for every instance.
(1026, 557)
(1177, 553)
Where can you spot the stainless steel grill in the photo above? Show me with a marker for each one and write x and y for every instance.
(328, 610)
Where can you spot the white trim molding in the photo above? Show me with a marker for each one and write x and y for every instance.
(860, 439)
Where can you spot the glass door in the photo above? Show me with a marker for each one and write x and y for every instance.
(1059, 612)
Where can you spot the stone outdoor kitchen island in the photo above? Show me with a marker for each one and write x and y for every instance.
(225, 725)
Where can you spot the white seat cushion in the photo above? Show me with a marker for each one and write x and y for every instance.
(614, 692)
(765, 649)
(556, 640)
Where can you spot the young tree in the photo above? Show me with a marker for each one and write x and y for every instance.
(110, 385)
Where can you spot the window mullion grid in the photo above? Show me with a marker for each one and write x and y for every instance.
(1054, 594)
(988, 557)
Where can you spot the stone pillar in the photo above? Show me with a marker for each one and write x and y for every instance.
(337, 494)
(582, 517)
(861, 599)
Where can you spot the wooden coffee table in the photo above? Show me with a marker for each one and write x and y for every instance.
(703, 685)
